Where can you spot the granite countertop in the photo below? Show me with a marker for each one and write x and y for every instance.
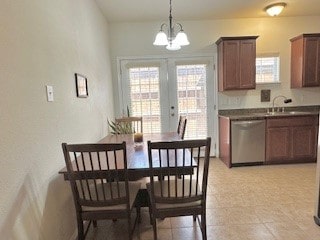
(261, 113)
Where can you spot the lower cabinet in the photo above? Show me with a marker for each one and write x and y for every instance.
(291, 139)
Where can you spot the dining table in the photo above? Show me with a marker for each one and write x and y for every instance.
(138, 160)
(137, 154)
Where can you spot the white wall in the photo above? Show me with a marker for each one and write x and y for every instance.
(44, 42)
(135, 39)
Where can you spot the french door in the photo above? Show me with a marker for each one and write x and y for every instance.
(161, 90)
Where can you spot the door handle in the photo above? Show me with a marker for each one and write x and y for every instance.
(172, 111)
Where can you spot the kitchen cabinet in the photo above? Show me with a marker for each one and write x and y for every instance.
(236, 63)
(291, 139)
(225, 140)
(305, 61)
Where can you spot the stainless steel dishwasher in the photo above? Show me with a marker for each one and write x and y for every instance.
(248, 141)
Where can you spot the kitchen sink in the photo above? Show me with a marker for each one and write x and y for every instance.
(289, 113)
(296, 112)
(286, 113)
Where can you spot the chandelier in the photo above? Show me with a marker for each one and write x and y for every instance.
(172, 41)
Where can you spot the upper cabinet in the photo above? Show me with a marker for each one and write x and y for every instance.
(236, 63)
(305, 61)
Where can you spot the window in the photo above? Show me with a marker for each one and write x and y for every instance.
(145, 97)
(192, 98)
(267, 68)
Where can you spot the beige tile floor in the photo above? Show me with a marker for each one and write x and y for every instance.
(245, 203)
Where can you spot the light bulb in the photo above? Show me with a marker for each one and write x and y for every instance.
(275, 9)
(172, 46)
(182, 39)
(161, 39)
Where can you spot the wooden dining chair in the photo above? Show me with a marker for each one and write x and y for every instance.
(172, 193)
(182, 124)
(131, 124)
(99, 181)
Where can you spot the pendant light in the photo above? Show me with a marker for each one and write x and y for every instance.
(171, 41)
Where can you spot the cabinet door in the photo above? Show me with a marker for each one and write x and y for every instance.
(231, 65)
(247, 64)
(311, 62)
(296, 63)
(292, 139)
(304, 143)
(278, 144)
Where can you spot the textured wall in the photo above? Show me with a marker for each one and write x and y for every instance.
(44, 42)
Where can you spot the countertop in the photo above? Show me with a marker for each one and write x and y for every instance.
(258, 114)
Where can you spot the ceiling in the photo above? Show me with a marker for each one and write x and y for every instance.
(158, 10)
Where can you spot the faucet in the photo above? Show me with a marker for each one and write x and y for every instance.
(286, 100)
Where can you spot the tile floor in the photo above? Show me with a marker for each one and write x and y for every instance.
(245, 203)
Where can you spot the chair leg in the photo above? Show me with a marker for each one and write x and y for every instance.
(194, 218)
(80, 227)
(150, 216)
(150, 213)
(154, 225)
(95, 223)
(130, 230)
(204, 225)
(138, 209)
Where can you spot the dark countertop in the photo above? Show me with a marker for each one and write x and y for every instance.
(261, 113)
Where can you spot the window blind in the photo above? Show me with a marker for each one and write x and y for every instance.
(267, 69)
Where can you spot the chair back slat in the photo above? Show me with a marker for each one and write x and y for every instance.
(182, 124)
(198, 169)
(101, 178)
(168, 160)
(86, 180)
(98, 174)
(127, 125)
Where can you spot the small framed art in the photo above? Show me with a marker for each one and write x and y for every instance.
(81, 85)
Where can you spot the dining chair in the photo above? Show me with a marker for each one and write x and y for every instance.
(171, 193)
(131, 124)
(99, 181)
(182, 124)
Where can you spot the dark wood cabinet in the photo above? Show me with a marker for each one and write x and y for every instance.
(236, 63)
(305, 61)
(291, 139)
(277, 144)
(224, 140)
(304, 142)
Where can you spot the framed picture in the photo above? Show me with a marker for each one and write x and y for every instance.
(81, 85)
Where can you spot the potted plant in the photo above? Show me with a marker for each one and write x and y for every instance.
(121, 128)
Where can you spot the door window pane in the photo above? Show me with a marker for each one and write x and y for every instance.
(145, 97)
(192, 99)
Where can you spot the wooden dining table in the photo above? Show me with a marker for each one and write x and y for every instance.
(137, 153)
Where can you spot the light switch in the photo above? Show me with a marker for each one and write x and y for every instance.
(49, 93)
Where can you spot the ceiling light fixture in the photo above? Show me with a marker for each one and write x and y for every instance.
(172, 41)
(275, 9)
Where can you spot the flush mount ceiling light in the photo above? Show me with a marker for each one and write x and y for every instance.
(172, 41)
(275, 9)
